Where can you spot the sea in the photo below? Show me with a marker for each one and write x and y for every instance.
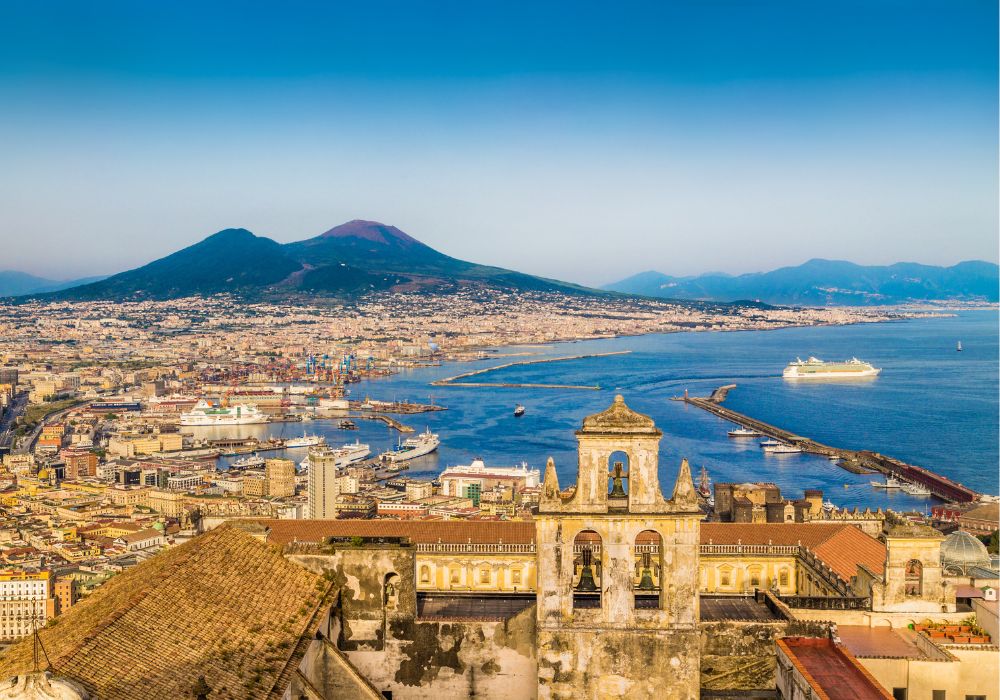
(932, 405)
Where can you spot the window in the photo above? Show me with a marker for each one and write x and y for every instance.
(783, 577)
(484, 576)
(899, 693)
(755, 579)
(724, 578)
(515, 576)
(425, 574)
(913, 578)
(455, 577)
(975, 697)
(938, 695)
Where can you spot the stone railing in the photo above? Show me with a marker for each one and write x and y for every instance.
(475, 548)
(826, 602)
(766, 549)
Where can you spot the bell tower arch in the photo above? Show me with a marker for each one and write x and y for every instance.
(605, 626)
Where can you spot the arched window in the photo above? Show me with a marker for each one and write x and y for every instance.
(725, 576)
(754, 577)
(587, 570)
(618, 478)
(425, 574)
(648, 553)
(913, 578)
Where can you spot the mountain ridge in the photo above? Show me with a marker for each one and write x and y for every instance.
(348, 260)
(822, 282)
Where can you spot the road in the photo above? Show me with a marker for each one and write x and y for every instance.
(7, 423)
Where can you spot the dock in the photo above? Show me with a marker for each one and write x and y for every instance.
(456, 380)
(856, 461)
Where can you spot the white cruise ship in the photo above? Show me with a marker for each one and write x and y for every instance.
(414, 447)
(206, 413)
(814, 368)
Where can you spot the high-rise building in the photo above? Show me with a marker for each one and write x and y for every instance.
(280, 474)
(324, 486)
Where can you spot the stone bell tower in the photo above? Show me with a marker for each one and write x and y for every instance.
(618, 570)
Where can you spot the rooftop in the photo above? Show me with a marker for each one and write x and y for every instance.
(883, 642)
(831, 669)
(718, 608)
(224, 606)
(283, 532)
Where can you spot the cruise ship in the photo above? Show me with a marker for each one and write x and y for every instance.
(814, 368)
(414, 447)
(207, 413)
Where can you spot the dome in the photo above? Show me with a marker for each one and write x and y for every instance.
(960, 551)
(43, 474)
(40, 685)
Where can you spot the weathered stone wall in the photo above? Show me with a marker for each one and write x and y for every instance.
(444, 660)
(630, 664)
(742, 655)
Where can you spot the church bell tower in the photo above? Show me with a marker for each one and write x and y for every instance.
(618, 569)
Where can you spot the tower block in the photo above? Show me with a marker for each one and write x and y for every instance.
(618, 570)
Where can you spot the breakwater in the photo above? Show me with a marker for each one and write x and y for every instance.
(851, 460)
(456, 380)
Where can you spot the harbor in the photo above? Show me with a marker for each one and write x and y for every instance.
(855, 461)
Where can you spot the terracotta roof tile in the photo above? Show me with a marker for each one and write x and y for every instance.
(419, 531)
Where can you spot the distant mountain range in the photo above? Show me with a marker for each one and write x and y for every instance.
(828, 283)
(14, 283)
(346, 261)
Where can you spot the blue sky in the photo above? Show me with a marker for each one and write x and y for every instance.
(573, 140)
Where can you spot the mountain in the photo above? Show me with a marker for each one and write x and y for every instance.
(14, 283)
(828, 283)
(350, 259)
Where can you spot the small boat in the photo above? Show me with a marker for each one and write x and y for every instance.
(916, 490)
(833, 458)
(889, 483)
(769, 443)
(959, 346)
(347, 425)
(518, 411)
(743, 432)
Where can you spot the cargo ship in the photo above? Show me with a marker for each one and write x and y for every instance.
(207, 413)
(814, 368)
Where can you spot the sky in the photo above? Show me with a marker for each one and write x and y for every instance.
(579, 141)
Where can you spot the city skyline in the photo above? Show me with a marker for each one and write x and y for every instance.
(584, 146)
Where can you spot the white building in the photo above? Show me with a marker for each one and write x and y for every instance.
(26, 602)
(456, 481)
(324, 485)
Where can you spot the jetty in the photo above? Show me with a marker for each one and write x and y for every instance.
(456, 380)
(856, 461)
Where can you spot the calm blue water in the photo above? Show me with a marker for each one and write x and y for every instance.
(931, 406)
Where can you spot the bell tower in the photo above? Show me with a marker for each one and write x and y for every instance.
(617, 610)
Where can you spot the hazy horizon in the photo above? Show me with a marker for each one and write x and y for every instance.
(579, 142)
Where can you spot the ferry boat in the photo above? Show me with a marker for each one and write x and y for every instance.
(414, 447)
(814, 368)
(252, 462)
(206, 413)
(782, 449)
(306, 441)
(889, 483)
(916, 490)
(743, 432)
(348, 454)
(770, 442)
(518, 411)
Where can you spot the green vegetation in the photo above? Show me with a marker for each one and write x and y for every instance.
(35, 413)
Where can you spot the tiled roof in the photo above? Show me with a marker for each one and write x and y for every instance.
(842, 547)
(831, 669)
(224, 605)
(419, 531)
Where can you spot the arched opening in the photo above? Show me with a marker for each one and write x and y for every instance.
(587, 570)
(618, 479)
(390, 591)
(913, 578)
(648, 573)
